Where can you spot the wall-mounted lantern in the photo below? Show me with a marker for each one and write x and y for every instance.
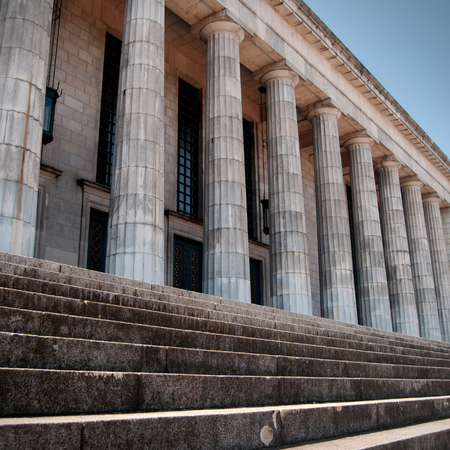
(52, 94)
(51, 97)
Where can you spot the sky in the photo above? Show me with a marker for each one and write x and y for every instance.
(405, 44)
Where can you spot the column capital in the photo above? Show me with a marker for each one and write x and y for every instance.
(431, 198)
(222, 26)
(358, 140)
(324, 111)
(411, 182)
(284, 74)
(388, 164)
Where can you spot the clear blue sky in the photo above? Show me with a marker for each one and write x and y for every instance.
(405, 44)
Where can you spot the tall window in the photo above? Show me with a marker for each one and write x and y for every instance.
(353, 242)
(107, 133)
(188, 148)
(248, 153)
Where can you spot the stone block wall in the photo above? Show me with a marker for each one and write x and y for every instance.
(63, 214)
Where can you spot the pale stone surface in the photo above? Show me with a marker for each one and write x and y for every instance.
(136, 227)
(439, 262)
(24, 42)
(289, 266)
(333, 229)
(371, 278)
(420, 260)
(226, 270)
(395, 239)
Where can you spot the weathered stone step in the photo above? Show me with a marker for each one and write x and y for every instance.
(220, 429)
(300, 345)
(425, 436)
(193, 320)
(32, 392)
(247, 356)
(202, 301)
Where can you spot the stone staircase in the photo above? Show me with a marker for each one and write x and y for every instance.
(94, 361)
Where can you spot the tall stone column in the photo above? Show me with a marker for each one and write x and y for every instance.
(375, 310)
(439, 261)
(337, 290)
(289, 268)
(136, 224)
(396, 252)
(226, 267)
(24, 51)
(420, 260)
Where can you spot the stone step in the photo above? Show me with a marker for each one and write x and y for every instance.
(198, 352)
(299, 344)
(190, 318)
(32, 392)
(234, 428)
(425, 436)
(72, 275)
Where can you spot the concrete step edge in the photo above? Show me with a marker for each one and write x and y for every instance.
(426, 436)
(169, 337)
(31, 392)
(214, 300)
(234, 428)
(213, 316)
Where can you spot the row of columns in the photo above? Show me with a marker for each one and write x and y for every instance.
(401, 264)
(402, 267)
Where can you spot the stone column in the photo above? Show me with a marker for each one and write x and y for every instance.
(226, 267)
(375, 310)
(420, 260)
(396, 252)
(289, 268)
(439, 261)
(24, 52)
(136, 224)
(337, 290)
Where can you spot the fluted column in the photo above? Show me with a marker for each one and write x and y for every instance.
(420, 260)
(337, 291)
(375, 310)
(226, 269)
(25, 28)
(136, 226)
(395, 241)
(289, 268)
(439, 262)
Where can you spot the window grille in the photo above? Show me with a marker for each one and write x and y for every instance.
(248, 158)
(188, 148)
(107, 132)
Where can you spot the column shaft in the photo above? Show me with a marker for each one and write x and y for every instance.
(420, 260)
(439, 262)
(136, 226)
(335, 258)
(372, 286)
(226, 269)
(395, 240)
(24, 50)
(289, 269)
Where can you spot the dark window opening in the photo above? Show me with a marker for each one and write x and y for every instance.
(187, 264)
(255, 281)
(353, 243)
(188, 148)
(248, 159)
(98, 232)
(107, 132)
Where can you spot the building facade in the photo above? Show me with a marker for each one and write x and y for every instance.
(233, 147)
